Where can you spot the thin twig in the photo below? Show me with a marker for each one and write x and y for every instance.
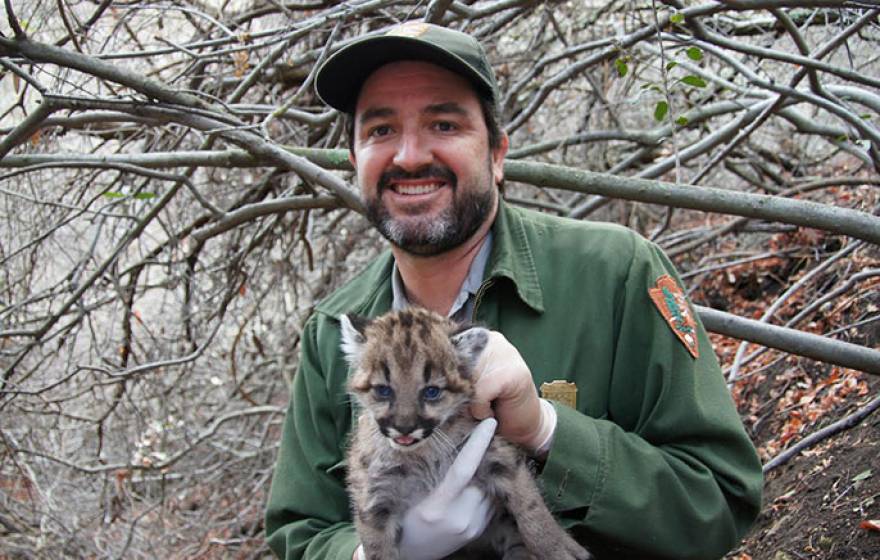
(817, 437)
(13, 21)
(794, 288)
(27, 128)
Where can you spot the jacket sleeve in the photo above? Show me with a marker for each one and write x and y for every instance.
(670, 472)
(308, 515)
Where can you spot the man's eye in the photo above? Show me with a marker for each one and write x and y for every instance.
(431, 393)
(383, 391)
(381, 130)
(445, 126)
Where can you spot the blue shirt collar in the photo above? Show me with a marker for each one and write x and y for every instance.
(463, 304)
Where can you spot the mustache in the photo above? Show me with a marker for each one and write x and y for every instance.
(434, 171)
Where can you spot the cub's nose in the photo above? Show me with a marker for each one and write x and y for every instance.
(405, 429)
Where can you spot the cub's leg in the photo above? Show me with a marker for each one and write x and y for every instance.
(518, 553)
(378, 526)
(503, 538)
(541, 534)
(377, 507)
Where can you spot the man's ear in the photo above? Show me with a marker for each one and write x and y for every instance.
(353, 338)
(469, 344)
(498, 155)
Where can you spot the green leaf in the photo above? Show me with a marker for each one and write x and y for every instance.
(676, 18)
(694, 53)
(864, 475)
(114, 194)
(660, 111)
(867, 116)
(670, 65)
(694, 81)
(144, 196)
(682, 121)
(621, 66)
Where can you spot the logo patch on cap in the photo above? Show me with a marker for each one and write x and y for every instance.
(672, 304)
(409, 29)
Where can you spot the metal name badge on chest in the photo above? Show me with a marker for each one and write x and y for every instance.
(563, 392)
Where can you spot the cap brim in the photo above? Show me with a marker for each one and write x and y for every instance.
(339, 80)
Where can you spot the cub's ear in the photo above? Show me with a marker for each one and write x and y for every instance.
(469, 344)
(353, 338)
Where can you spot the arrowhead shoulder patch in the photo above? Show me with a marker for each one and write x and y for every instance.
(672, 304)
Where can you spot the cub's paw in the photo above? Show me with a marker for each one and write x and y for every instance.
(519, 553)
(568, 549)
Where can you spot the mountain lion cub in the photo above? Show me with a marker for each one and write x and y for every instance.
(412, 377)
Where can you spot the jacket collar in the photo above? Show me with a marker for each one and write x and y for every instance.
(512, 256)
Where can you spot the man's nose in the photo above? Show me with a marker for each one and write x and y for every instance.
(413, 152)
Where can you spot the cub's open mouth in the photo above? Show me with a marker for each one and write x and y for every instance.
(404, 440)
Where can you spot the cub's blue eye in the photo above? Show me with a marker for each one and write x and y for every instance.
(383, 391)
(431, 393)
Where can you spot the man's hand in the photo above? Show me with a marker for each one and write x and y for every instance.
(455, 513)
(505, 390)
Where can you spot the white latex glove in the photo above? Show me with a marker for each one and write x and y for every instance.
(505, 390)
(455, 513)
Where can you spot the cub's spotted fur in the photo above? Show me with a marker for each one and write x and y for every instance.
(412, 378)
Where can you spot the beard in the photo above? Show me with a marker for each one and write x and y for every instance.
(432, 235)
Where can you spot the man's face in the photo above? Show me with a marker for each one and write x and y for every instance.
(422, 156)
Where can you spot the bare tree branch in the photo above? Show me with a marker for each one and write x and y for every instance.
(27, 128)
(860, 225)
(821, 435)
(792, 341)
(176, 199)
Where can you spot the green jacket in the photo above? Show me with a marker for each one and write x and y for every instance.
(654, 463)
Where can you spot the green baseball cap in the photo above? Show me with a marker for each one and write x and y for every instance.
(340, 78)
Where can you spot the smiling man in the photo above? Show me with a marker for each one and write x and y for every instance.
(418, 129)
(427, 174)
(649, 460)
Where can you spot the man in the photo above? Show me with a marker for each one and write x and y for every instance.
(651, 462)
